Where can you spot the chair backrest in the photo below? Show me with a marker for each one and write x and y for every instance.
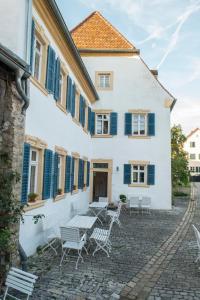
(197, 234)
(119, 208)
(103, 199)
(134, 200)
(21, 281)
(146, 201)
(110, 228)
(70, 234)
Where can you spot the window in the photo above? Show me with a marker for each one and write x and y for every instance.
(59, 188)
(76, 165)
(104, 80)
(100, 165)
(85, 174)
(59, 172)
(63, 88)
(192, 169)
(37, 59)
(102, 123)
(139, 124)
(192, 156)
(199, 156)
(192, 144)
(33, 171)
(77, 102)
(139, 174)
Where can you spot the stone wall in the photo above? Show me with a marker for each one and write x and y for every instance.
(12, 123)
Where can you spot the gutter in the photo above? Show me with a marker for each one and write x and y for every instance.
(97, 50)
(70, 41)
(21, 71)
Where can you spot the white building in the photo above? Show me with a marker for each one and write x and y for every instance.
(192, 147)
(98, 128)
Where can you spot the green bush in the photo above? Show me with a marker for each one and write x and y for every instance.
(180, 194)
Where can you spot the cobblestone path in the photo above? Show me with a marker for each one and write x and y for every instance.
(139, 266)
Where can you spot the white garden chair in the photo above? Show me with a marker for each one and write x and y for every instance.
(102, 239)
(70, 239)
(115, 214)
(50, 233)
(103, 199)
(134, 202)
(197, 234)
(146, 204)
(20, 281)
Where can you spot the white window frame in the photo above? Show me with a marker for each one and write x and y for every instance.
(60, 172)
(192, 145)
(194, 156)
(40, 58)
(139, 124)
(102, 123)
(36, 164)
(138, 172)
(104, 80)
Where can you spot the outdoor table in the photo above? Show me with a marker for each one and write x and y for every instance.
(82, 222)
(97, 208)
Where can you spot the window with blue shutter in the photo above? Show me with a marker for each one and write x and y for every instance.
(88, 173)
(68, 174)
(47, 174)
(57, 80)
(69, 88)
(81, 109)
(55, 175)
(128, 123)
(151, 124)
(50, 75)
(92, 128)
(83, 113)
(127, 174)
(151, 174)
(81, 174)
(73, 96)
(89, 118)
(32, 45)
(72, 173)
(25, 173)
(113, 123)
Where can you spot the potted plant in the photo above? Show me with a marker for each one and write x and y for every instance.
(32, 197)
(122, 198)
(74, 187)
(59, 191)
(112, 206)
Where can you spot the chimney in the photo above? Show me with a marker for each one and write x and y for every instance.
(155, 73)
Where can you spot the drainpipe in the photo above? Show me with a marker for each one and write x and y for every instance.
(23, 91)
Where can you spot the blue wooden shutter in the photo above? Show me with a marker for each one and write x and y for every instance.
(80, 109)
(151, 174)
(127, 174)
(25, 173)
(89, 118)
(55, 175)
(113, 123)
(72, 174)
(83, 113)
(151, 124)
(92, 128)
(80, 174)
(73, 96)
(50, 70)
(128, 123)
(68, 99)
(88, 173)
(32, 45)
(68, 174)
(57, 80)
(48, 158)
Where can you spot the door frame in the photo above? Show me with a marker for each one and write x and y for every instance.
(106, 170)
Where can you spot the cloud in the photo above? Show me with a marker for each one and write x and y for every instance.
(175, 36)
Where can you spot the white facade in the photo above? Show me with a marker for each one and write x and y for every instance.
(134, 88)
(192, 147)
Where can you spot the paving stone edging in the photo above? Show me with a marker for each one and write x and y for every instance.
(141, 285)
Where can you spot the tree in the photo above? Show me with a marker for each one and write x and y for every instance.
(179, 158)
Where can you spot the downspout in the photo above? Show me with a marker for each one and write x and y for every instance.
(23, 92)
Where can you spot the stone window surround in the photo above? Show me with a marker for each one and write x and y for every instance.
(103, 112)
(144, 112)
(62, 152)
(97, 74)
(139, 162)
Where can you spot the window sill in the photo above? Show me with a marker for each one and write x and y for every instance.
(39, 85)
(74, 191)
(139, 137)
(34, 205)
(84, 189)
(139, 185)
(59, 197)
(75, 121)
(104, 88)
(102, 136)
(61, 107)
(85, 130)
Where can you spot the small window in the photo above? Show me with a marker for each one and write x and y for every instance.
(104, 80)
(139, 124)
(59, 172)
(102, 123)
(33, 177)
(100, 165)
(37, 59)
(76, 167)
(85, 173)
(139, 174)
(192, 156)
(77, 104)
(192, 144)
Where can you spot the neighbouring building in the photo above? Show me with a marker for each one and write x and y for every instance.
(192, 147)
(98, 122)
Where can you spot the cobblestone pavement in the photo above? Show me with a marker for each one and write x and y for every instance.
(99, 277)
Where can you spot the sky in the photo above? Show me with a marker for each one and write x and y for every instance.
(167, 32)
